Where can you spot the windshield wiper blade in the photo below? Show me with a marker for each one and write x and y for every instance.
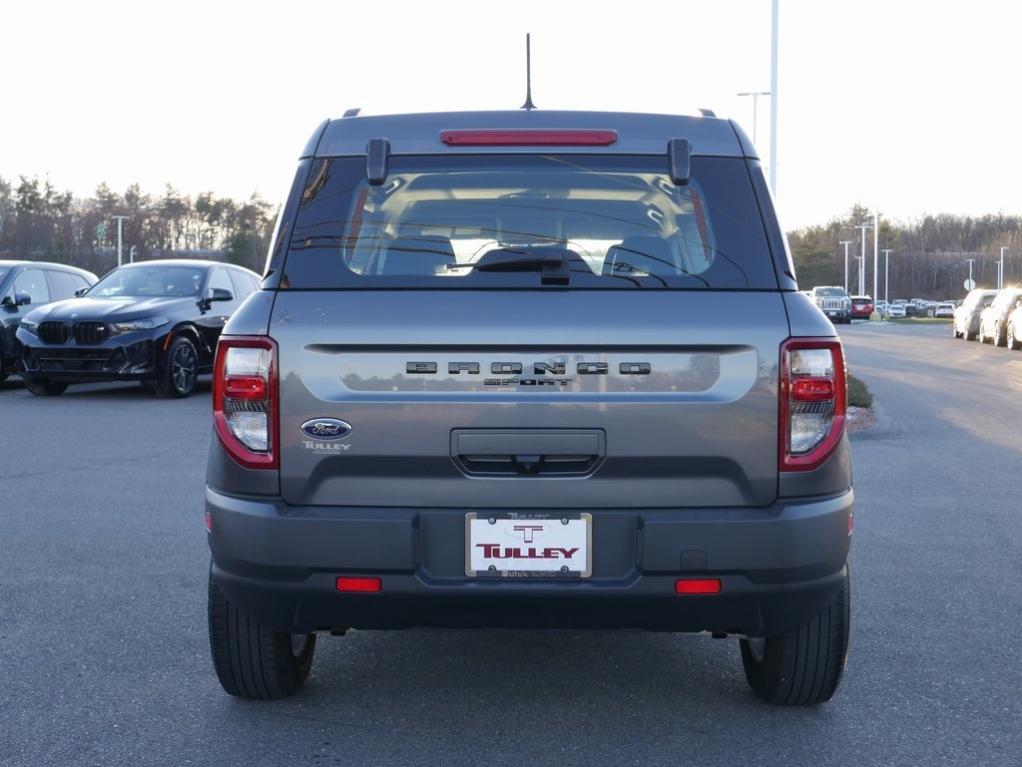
(553, 266)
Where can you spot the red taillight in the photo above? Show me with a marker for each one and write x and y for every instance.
(245, 387)
(528, 137)
(812, 389)
(689, 586)
(813, 402)
(359, 584)
(245, 409)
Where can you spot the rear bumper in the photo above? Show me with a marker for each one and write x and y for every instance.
(778, 566)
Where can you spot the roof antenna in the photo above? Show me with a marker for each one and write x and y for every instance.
(528, 105)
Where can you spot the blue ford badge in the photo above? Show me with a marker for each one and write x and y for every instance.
(326, 428)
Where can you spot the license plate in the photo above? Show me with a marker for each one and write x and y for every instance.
(545, 546)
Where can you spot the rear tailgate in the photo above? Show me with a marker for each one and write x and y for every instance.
(636, 399)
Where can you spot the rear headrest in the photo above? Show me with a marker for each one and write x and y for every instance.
(420, 255)
(651, 255)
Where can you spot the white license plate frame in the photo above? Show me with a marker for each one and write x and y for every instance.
(569, 528)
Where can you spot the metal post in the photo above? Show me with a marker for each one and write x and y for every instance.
(119, 219)
(862, 261)
(846, 243)
(887, 274)
(876, 250)
(773, 96)
(1000, 270)
(755, 109)
(970, 260)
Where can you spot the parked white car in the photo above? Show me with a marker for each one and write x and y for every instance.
(944, 310)
(896, 310)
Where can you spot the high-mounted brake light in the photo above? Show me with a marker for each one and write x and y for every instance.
(813, 402)
(245, 410)
(528, 137)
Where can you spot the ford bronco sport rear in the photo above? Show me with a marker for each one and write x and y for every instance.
(537, 370)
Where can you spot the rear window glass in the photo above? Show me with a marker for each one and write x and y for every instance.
(498, 221)
(831, 292)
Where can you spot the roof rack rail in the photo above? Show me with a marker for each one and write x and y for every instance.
(707, 112)
(353, 112)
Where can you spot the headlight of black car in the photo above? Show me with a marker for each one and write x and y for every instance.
(144, 323)
(29, 326)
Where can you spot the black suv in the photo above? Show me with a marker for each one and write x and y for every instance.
(25, 286)
(156, 322)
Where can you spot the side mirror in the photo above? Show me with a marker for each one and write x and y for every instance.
(22, 299)
(81, 292)
(220, 294)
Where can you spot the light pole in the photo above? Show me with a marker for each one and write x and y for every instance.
(755, 101)
(846, 243)
(1000, 270)
(862, 260)
(775, 11)
(876, 250)
(887, 274)
(970, 260)
(119, 219)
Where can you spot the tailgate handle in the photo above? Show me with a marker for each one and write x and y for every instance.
(527, 453)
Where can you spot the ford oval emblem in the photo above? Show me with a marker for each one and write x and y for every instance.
(326, 428)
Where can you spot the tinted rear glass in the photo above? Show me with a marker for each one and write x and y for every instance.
(457, 221)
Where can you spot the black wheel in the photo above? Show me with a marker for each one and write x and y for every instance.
(804, 666)
(43, 388)
(1013, 343)
(252, 661)
(180, 369)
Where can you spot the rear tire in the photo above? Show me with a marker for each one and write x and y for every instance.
(41, 387)
(1013, 343)
(251, 660)
(180, 369)
(802, 667)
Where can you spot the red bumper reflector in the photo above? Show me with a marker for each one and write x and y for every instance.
(209, 522)
(812, 389)
(363, 585)
(697, 586)
(528, 137)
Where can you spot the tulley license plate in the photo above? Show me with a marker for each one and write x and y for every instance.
(528, 547)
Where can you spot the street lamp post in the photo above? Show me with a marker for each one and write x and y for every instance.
(755, 101)
(119, 219)
(887, 273)
(1000, 270)
(846, 243)
(876, 250)
(862, 259)
(775, 11)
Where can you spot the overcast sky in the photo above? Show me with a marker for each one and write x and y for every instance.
(911, 106)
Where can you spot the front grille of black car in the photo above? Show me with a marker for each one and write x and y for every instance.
(54, 332)
(72, 359)
(91, 333)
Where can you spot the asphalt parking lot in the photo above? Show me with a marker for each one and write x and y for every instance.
(104, 657)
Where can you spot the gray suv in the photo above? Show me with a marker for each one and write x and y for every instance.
(530, 370)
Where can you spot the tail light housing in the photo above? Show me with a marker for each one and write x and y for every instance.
(813, 396)
(245, 403)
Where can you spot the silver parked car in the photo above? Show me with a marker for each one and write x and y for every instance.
(1014, 333)
(993, 322)
(530, 369)
(965, 323)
